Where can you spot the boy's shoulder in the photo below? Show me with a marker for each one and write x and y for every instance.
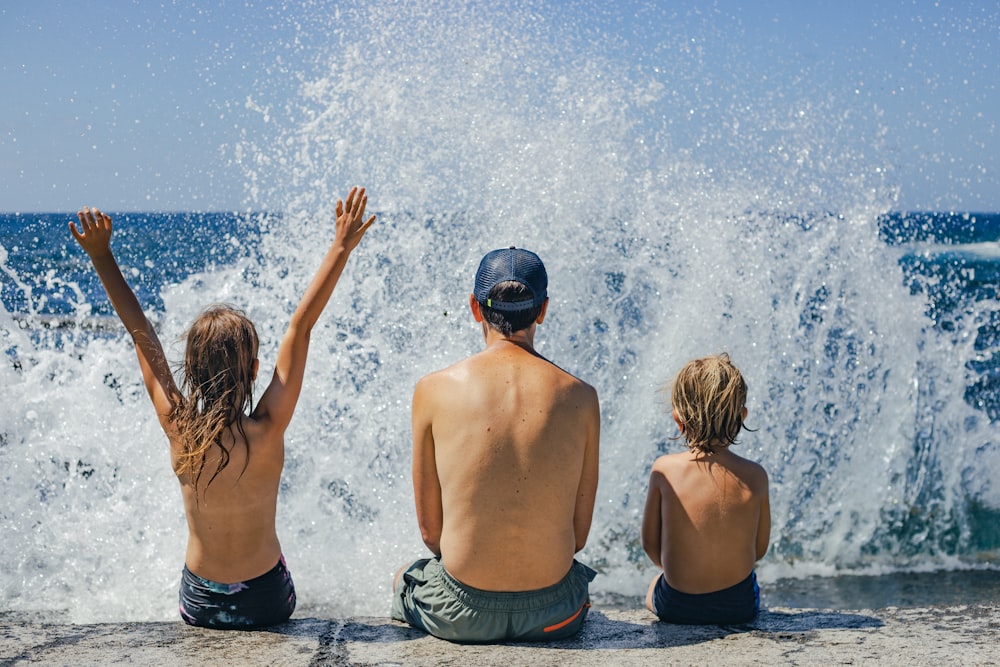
(750, 472)
(732, 460)
(748, 463)
(666, 461)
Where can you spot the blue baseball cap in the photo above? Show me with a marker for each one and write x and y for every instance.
(517, 264)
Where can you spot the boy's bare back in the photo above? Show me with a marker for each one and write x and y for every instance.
(707, 519)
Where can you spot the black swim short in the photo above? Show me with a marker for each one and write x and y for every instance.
(736, 604)
(265, 600)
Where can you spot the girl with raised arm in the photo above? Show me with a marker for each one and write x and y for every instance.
(227, 453)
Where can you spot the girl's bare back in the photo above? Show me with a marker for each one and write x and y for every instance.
(231, 522)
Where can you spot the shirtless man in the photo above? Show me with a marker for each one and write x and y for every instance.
(505, 454)
(707, 519)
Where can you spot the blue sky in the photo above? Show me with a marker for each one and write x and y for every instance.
(139, 105)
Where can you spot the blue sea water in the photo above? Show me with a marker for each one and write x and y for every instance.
(953, 260)
(44, 266)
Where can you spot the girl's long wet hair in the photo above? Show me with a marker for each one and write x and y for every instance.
(217, 388)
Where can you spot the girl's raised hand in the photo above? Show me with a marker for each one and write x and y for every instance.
(351, 226)
(94, 234)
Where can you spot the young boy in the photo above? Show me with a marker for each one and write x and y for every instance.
(707, 519)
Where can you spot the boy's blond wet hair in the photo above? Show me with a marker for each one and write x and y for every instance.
(708, 397)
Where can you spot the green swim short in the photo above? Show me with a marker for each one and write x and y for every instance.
(430, 599)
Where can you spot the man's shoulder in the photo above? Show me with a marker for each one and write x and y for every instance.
(473, 369)
(565, 376)
(457, 373)
(577, 381)
(570, 388)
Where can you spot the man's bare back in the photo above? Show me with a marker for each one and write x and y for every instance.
(706, 506)
(512, 440)
(505, 458)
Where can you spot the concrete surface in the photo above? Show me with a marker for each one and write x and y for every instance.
(944, 635)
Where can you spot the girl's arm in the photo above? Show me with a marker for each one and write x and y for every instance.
(278, 401)
(94, 236)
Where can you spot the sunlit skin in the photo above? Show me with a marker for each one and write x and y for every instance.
(707, 519)
(232, 535)
(505, 463)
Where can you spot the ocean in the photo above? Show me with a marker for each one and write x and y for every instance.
(674, 223)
